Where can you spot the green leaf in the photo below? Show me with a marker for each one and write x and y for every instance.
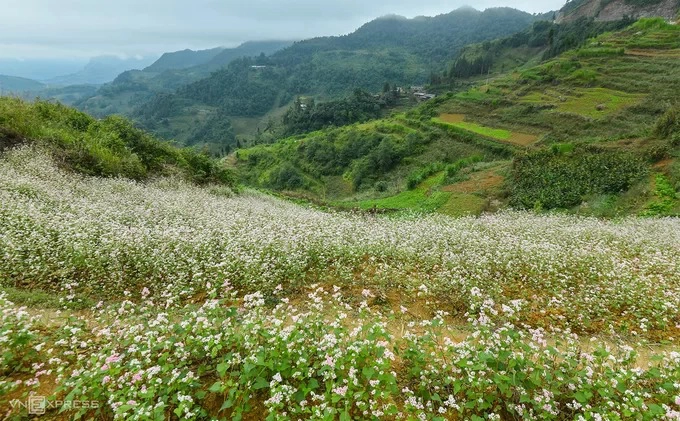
(655, 409)
(217, 387)
(222, 368)
(260, 383)
(344, 416)
(583, 396)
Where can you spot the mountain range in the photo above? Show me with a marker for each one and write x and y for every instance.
(249, 93)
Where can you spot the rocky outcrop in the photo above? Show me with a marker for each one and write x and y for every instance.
(612, 10)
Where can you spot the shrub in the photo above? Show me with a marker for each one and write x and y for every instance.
(561, 180)
(668, 125)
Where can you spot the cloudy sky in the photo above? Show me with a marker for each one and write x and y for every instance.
(32, 29)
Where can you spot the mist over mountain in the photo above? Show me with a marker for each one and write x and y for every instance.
(40, 69)
(17, 85)
(102, 70)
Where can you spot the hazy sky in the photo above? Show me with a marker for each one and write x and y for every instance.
(84, 28)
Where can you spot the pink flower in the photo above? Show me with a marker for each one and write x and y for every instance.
(677, 400)
(131, 402)
(137, 377)
(106, 379)
(114, 358)
(105, 367)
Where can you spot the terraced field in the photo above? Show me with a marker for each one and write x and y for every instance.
(502, 135)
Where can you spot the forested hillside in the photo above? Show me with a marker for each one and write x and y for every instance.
(183, 59)
(542, 41)
(391, 50)
(172, 71)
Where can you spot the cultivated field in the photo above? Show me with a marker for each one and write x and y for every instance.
(165, 300)
(515, 138)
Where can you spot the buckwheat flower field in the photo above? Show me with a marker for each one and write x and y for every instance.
(163, 300)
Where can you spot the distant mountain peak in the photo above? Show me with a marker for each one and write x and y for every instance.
(392, 16)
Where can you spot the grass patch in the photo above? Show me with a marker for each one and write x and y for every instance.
(461, 204)
(424, 198)
(499, 134)
(593, 103)
(34, 298)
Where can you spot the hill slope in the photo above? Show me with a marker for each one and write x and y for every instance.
(342, 316)
(594, 130)
(612, 10)
(12, 84)
(111, 147)
(133, 88)
(183, 59)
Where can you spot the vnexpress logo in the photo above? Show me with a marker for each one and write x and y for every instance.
(37, 405)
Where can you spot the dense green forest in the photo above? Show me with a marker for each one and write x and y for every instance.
(306, 115)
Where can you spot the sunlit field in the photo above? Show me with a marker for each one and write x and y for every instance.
(163, 300)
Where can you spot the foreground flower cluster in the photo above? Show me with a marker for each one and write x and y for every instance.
(338, 316)
(331, 360)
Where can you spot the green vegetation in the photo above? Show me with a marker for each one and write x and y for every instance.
(112, 147)
(307, 116)
(360, 155)
(666, 200)
(546, 180)
(599, 122)
(668, 125)
(424, 198)
(387, 158)
(544, 40)
(499, 134)
(593, 102)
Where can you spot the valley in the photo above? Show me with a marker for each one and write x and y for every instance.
(472, 216)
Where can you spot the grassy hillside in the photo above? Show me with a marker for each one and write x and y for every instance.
(593, 131)
(111, 147)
